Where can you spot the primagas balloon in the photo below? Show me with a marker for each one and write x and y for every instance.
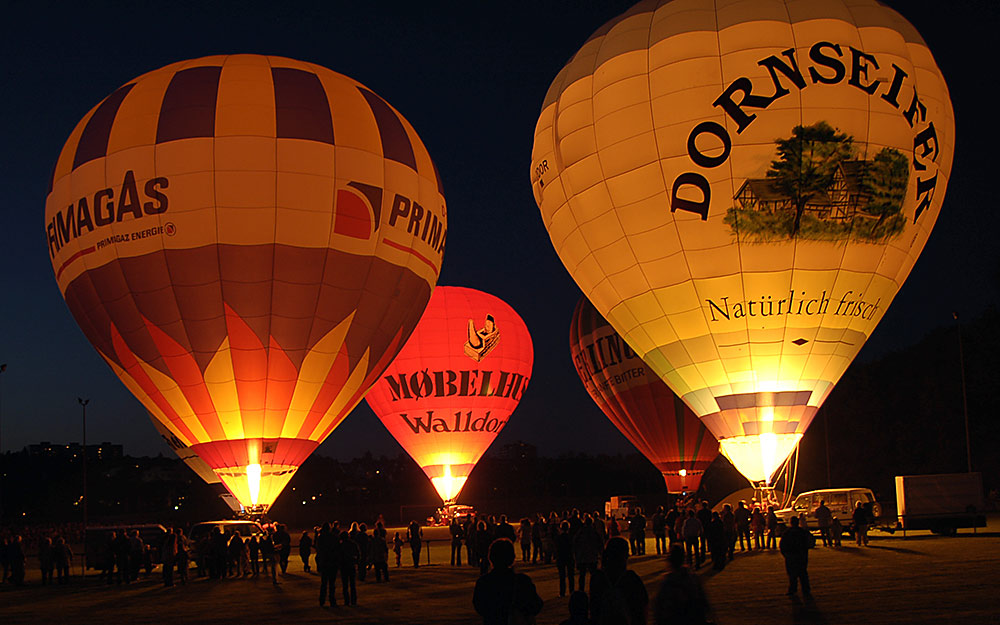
(455, 383)
(741, 188)
(638, 403)
(247, 241)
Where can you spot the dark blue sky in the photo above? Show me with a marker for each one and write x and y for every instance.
(471, 81)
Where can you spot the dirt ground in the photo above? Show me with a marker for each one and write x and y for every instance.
(919, 579)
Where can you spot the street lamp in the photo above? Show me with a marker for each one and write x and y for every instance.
(965, 400)
(3, 368)
(84, 402)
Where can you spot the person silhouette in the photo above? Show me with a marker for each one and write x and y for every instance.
(502, 596)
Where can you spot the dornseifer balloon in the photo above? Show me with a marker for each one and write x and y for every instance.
(741, 188)
(455, 383)
(638, 403)
(247, 241)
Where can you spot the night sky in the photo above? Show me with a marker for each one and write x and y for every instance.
(471, 82)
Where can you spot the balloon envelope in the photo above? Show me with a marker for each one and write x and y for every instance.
(455, 383)
(639, 404)
(741, 189)
(247, 241)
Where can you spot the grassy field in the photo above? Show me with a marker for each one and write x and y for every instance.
(920, 579)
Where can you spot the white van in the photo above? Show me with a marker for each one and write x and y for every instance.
(840, 501)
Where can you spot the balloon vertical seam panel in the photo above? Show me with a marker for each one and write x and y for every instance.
(174, 169)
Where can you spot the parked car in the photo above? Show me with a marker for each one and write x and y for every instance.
(840, 501)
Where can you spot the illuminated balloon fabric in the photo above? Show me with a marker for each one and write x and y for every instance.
(741, 191)
(639, 404)
(455, 383)
(247, 241)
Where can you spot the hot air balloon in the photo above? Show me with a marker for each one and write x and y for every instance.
(638, 403)
(247, 241)
(455, 383)
(740, 189)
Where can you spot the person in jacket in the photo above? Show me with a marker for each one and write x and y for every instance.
(283, 546)
(483, 540)
(45, 562)
(62, 555)
(183, 550)
(772, 528)
(168, 554)
(824, 519)
(680, 599)
(587, 548)
(349, 557)
(743, 525)
(524, 534)
(327, 563)
(692, 531)
(860, 520)
(659, 522)
(794, 546)
(457, 532)
(415, 537)
(503, 596)
(305, 550)
(564, 558)
(380, 554)
(617, 594)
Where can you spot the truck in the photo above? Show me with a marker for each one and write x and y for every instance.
(941, 503)
(620, 506)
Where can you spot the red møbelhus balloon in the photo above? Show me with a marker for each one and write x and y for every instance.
(455, 383)
(638, 402)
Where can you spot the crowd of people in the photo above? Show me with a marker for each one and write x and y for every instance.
(584, 547)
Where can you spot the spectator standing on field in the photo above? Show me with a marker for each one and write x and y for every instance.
(794, 545)
(415, 536)
(136, 550)
(457, 532)
(380, 554)
(692, 532)
(305, 550)
(680, 600)
(397, 548)
(183, 548)
(860, 520)
(729, 529)
(743, 525)
(771, 520)
(349, 557)
(564, 558)
(283, 545)
(824, 519)
(660, 531)
(617, 595)
(587, 548)
(757, 525)
(503, 596)
(327, 563)
(45, 561)
(62, 555)
(168, 555)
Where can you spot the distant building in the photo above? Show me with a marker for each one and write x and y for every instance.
(71, 451)
(517, 451)
(841, 201)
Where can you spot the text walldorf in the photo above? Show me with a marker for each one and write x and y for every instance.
(457, 422)
(459, 383)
